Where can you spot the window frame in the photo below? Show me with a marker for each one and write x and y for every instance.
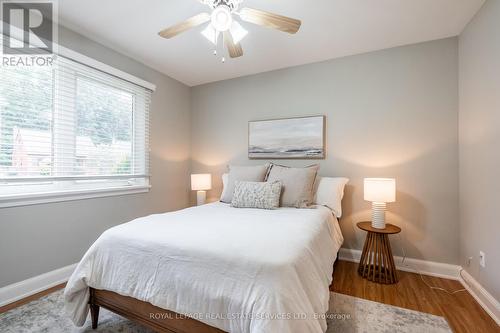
(57, 190)
(68, 195)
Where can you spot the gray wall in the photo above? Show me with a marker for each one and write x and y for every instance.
(392, 113)
(40, 238)
(479, 145)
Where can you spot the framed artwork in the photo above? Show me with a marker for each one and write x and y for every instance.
(290, 138)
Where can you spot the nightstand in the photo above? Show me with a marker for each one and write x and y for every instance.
(377, 263)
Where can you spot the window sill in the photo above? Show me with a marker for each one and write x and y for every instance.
(68, 195)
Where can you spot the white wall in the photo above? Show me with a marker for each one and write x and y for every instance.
(479, 54)
(40, 238)
(392, 113)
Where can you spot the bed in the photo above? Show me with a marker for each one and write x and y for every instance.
(212, 268)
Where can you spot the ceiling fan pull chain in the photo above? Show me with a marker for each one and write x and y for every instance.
(223, 60)
(216, 43)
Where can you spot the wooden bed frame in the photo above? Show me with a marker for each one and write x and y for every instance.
(158, 319)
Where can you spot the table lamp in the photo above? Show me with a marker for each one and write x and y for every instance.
(201, 183)
(379, 191)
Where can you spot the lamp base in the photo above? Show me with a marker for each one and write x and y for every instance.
(201, 197)
(378, 215)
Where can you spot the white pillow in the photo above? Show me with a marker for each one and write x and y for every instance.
(329, 192)
(225, 179)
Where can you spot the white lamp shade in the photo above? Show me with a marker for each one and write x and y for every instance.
(201, 182)
(211, 34)
(380, 189)
(237, 32)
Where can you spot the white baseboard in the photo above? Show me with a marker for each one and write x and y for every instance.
(482, 296)
(447, 271)
(14, 292)
(425, 267)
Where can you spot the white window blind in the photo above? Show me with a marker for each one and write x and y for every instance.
(71, 128)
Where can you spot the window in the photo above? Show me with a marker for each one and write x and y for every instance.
(71, 129)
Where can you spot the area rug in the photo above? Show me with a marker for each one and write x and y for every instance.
(347, 314)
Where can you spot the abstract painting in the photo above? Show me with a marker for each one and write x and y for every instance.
(291, 138)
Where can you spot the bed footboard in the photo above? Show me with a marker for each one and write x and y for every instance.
(158, 319)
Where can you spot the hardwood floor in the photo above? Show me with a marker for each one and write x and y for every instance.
(461, 310)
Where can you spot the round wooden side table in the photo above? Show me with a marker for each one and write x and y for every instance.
(377, 263)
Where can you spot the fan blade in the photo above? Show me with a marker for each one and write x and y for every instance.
(270, 20)
(185, 25)
(235, 50)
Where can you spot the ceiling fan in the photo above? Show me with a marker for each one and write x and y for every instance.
(222, 23)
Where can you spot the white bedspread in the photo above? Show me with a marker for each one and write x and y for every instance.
(258, 268)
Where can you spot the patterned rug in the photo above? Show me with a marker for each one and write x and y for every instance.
(347, 314)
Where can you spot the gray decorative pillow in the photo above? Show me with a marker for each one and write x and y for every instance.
(242, 173)
(298, 184)
(256, 195)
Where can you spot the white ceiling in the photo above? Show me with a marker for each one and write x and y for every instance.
(330, 29)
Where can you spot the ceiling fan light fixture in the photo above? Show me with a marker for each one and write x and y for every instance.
(221, 18)
(238, 32)
(222, 22)
(211, 34)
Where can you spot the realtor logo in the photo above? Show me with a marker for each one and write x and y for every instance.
(28, 27)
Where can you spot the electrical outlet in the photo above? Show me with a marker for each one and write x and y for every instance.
(482, 259)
